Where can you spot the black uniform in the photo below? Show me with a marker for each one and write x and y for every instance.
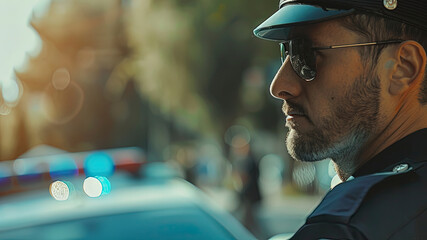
(387, 199)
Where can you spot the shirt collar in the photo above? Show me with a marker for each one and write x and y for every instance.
(409, 149)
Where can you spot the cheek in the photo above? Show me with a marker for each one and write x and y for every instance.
(322, 102)
(336, 75)
(339, 65)
(326, 97)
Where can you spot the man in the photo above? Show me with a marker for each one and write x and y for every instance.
(354, 89)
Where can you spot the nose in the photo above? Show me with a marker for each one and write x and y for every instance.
(286, 84)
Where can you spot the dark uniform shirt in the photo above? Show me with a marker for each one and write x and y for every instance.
(387, 199)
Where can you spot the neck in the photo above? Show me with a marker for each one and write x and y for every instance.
(409, 117)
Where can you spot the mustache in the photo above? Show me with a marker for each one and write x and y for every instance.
(293, 108)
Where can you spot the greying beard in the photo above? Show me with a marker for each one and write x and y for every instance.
(344, 153)
(341, 135)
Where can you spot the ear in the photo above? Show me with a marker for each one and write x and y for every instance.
(407, 67)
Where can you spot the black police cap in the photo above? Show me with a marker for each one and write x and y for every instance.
(301, 12)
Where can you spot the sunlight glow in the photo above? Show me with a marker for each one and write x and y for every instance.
(18, 37)
(10, 91)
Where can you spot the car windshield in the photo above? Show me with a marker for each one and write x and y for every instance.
(174, 224)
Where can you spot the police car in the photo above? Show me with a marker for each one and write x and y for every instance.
(102, 195)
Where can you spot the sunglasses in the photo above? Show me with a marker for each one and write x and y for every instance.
(303, 55)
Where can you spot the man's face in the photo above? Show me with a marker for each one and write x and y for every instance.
(334, 115)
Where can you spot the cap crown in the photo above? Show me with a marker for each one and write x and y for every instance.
(411, 12)
(301, 12)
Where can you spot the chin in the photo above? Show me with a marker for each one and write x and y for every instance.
(315, 147)
(301, 148)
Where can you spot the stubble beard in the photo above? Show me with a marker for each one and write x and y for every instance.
(342, 135)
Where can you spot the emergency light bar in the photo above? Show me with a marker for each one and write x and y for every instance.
(37, 172)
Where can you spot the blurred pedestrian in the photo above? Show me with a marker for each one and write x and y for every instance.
(246, 170)
(354, 89)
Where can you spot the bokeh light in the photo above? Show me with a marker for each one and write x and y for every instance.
(92, 187)
(271, 168)
(99, 164)
(325, 171)
(63, 166)
(5, 175)
(237, 136)
(60, 106)
(105, 183)
(96, 186)
(11, 91)
(18, 37)
(29, 172)
(61, 190)
(61, 79)
(5, 109)
(63, 98)
(21, 167)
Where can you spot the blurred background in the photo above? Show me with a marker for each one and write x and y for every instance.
(185, 80)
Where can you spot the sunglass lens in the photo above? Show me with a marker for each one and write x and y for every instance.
(283, 52)
(303, 60)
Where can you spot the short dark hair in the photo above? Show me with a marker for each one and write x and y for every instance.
(376, 28)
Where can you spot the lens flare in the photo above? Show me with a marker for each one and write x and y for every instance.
(237, 136)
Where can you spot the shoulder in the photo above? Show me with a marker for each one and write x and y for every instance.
(377, 206)
(399, 203)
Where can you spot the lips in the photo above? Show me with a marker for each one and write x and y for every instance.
(294, 112)
(295, 117)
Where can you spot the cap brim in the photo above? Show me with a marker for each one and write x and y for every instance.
(277, 27)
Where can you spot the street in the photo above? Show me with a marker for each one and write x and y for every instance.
(276, 214)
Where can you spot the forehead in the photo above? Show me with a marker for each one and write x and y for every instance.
(329, 32)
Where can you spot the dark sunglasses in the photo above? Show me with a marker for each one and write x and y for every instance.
(303, 55)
